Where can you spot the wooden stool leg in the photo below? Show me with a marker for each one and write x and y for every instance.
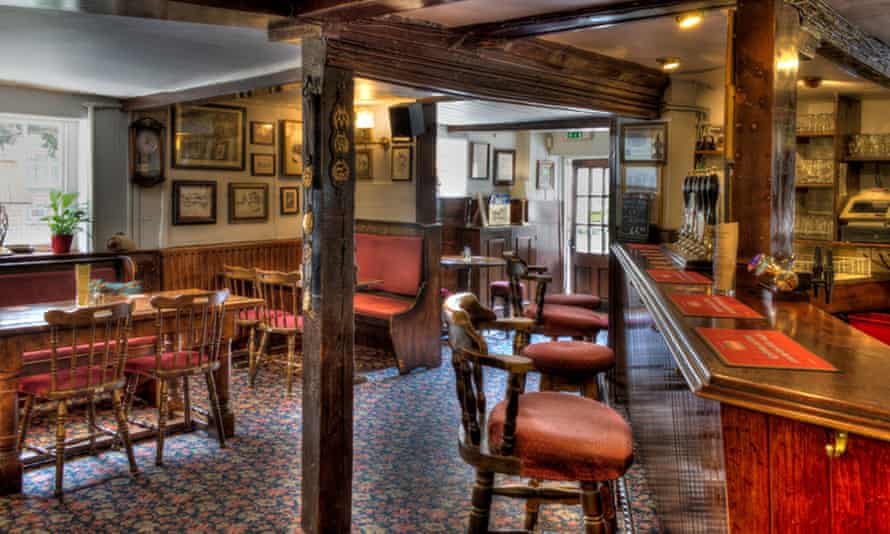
(609, 503)
(291, 362)
(260, 352)
(481, 511)
(216, 409)
(593, 511)
(61, 415)
(123, 430)
(591, 388)
(25, 423)
(91, 423)
(546, 383)
(162, 422)
(187, 402)
(531, 509)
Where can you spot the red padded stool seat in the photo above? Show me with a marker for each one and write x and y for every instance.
(564, 437)
(573, 359)
(591, 302)
(560, 320)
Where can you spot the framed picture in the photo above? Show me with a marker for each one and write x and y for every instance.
(478, 161)
(402, 163)
(644, 142)
(504, 167)
(262, 164)
(640, 178)
(363, 165)
(208, 136)
(290, 149)
(248, 203)
(289, 200)
(262, 133)
(194, 202)
(545, 174)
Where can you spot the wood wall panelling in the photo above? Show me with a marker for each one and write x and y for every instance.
(860, 487)
(746, 453)
(200, 266)
(545, 217)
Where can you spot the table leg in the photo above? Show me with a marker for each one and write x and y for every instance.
(10, 463)
(463, 279)
(222, 377)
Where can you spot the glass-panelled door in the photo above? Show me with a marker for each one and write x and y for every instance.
(590, 222)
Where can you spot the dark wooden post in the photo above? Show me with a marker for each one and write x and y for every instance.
(328, 288)
(765, 68)
(427, 179)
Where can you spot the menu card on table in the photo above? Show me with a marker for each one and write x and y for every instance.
(713, 306)
(667, 276)
(766, 349)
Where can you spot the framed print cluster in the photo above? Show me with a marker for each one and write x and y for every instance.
(402, 163)
(290, 149)
(248, 203)
(289, 200)
(478, 161)
(262, 133)
(644, 142)
(194, 202)
(545, 174)
(262, 165)
(364, 169)
(208, 136)
(504, 167)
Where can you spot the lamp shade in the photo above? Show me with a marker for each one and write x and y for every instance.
(364, 118)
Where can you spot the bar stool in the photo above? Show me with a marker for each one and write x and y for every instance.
(241, 282)
(280, 315)
(95, 368)
(189, 329)
(542, 435)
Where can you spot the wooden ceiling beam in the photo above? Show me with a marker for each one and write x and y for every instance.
(585, 18)
(579, 123)
(348, 10)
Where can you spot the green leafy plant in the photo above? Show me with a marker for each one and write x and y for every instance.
(67, 216)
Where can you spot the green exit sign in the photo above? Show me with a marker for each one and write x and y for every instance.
(575, 135)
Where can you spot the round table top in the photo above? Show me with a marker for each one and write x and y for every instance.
(474, 261)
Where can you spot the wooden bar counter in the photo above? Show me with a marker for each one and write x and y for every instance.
(744, 450)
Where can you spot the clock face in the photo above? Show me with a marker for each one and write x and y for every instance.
(147, 142)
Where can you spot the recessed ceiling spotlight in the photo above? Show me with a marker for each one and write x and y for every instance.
(812, 82)
(669, 63)
(690, 20)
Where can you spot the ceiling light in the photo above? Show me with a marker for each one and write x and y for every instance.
(669, 63)
(690, 20)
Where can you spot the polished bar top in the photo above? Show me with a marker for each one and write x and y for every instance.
(855, 399)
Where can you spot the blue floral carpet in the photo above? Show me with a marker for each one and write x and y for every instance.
(408, 475)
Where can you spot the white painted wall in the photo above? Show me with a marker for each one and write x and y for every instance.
(381, 198)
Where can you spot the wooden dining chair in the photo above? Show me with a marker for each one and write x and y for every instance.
(189, 331)
(544, 436)
(280, 315)
(241, 282)
(95, 368)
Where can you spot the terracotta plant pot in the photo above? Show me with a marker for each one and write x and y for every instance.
(61, 244)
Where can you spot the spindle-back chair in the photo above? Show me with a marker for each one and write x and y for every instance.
(241, 282)
(280, 315)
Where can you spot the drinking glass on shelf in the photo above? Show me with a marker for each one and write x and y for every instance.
(855, 146)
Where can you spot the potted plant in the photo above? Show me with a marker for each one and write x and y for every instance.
(65, 220)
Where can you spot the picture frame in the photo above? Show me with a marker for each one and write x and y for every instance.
(640, 178)
(644, 142)
(479, 161)
(504, 166)
(402, 163)
(262, 133)
(545, 174)
(194, 202)
(290, 148)
(364, 165)
(289, 200)
(262, 164)
(208, 137)
(248, 203)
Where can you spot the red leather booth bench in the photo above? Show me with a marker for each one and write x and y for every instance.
(401, 312)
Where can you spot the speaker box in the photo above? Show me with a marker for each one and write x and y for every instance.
(406, 120)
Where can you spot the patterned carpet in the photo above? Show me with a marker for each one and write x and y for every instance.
(408, 475)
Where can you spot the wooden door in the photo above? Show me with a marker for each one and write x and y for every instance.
(590, 226)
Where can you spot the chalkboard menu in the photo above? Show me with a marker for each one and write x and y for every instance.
(634, 219)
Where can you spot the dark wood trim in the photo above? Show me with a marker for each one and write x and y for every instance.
(557, 124)
(595, 16)
(281, 8)
(427, 178)
(347, 10)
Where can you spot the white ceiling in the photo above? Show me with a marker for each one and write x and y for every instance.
(128, 57)
(873, 16)
(465, 112)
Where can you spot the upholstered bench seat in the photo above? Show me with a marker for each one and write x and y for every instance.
(560, 320)
(590, 302)
(573, 359)
(564, 437)
(141, 343)
(380, 306)
(169, 361)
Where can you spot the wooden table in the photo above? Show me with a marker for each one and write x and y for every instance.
(23, 329)
(465, 267)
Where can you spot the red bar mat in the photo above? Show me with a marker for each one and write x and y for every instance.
(644, 246)
(713, 306)
(765, 349)
(666, 276)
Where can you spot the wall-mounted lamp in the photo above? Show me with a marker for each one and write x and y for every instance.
(690, 20)
(364, 124)
(788, 62)
(669, 64)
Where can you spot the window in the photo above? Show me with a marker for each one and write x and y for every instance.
(591, 207)
(37, 155)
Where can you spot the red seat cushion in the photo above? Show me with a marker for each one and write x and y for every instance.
(591, 302)
(82, 377)
(283, 319)
(380, 306)
(170, 361)
(64, 352)
(562, 320)
(576, 359)
(396, 260)
(565, 437)
(501, 288)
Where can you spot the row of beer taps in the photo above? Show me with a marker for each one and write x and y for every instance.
(701, 191)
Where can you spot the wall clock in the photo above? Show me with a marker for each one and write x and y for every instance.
(146, 152)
